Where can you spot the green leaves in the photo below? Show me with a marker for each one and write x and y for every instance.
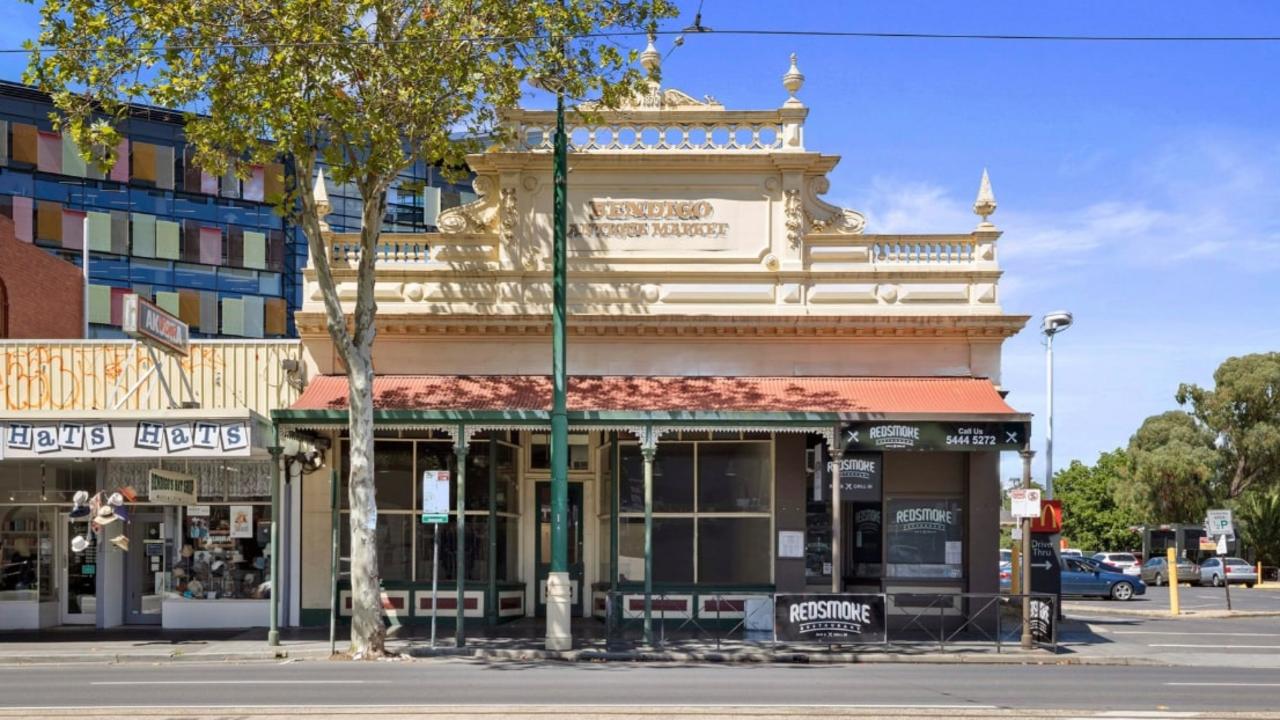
(1174, 466)
(1243, 411)
(1095, 515)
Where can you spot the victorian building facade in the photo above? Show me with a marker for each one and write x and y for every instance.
(814, 407)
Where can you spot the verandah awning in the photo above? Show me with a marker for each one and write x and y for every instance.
(621, 397)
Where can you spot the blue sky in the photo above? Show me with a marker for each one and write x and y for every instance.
(1138, 183)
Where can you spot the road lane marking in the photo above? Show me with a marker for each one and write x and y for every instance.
(241, 682)
(1174, 632)
(1221, 684)
(1214, 647)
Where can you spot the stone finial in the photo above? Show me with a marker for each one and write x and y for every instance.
(793, 81)
(320, 194)
(985, 205)
(651, 59)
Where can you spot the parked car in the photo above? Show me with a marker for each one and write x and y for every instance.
(1214, 570)
(1006, 555)
(1083, 578)
(1006, 576)
(1125, 561)
(1071, 552)
(1155, 571)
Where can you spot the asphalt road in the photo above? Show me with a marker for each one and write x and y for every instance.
(459, 682)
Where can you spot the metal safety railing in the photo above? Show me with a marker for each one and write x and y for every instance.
(912, 621)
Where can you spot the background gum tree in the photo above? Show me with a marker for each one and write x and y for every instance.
(1173, 469)
(369, 86)
(1095, 518)
(1243, 411)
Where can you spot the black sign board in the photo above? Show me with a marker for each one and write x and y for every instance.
(1042, 619)
(833, 618)
(1046, 570)
(860, 476)
(930, 435)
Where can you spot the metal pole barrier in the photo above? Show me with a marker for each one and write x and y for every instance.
(1026, 455)
(1172, 558)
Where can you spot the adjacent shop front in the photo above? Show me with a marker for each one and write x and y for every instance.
(184, 546)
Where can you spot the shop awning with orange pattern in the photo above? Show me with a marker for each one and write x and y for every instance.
(646, 397)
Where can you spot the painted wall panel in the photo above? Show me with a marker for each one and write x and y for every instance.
(144, 235)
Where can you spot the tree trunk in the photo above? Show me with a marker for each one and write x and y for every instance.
(368, 634)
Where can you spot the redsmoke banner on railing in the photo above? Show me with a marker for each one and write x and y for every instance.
(841, 618)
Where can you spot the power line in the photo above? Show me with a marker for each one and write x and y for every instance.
(848, 34)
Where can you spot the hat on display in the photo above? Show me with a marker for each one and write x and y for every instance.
(121, 542)
(116, 499)
(218, 567)
(130, 495)
(79, 544)
(260, 562)
(105, 515)
(121, 513)
(179, 572)
(79, 511)
(187, 551)
(80, 498)
(196, 588)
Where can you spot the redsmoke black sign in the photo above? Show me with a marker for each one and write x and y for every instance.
(829, 618)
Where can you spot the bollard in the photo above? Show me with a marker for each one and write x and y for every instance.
(1172, 555)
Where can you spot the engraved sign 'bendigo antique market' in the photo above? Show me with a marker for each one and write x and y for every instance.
(649, 218)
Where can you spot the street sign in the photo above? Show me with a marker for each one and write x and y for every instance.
(1017, 532)
(435, 496)
(1218, 522)
(1207, 544)
(1222, 545)
(1049, 519)
(145, 321)
(1024, 502)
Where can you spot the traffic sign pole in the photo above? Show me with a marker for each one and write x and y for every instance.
(1026, 454)
(1222, 558)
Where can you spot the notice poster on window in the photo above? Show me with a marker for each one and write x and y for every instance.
(241, 521)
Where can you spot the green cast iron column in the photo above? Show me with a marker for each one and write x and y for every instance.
(459, 546)
(559, 416)
(648, 450)
(491, 594)
(273, 635)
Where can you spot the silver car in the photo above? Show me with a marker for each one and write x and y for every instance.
(1127, 563)
(1234, 569)
(1155, 571)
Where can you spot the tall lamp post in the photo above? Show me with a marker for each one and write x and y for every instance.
(1054, 323)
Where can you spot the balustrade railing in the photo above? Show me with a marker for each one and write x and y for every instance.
(960, 250)
(397, 251)
(694, 136)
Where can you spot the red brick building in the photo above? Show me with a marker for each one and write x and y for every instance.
(41, 296)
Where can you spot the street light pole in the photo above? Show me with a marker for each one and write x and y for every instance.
(1054, 323)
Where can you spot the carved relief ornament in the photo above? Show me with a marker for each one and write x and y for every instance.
(825, 217)
(478, 216)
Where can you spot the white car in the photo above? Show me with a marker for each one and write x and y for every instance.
(1127, 563)
(1071, 552)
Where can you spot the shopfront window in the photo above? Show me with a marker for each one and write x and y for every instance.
(405, 543)
(924, 538)
(579, 451)
(26, 552)
(224, 552)
(712, 504)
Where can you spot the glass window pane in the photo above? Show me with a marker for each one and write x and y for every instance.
(477, 480)
(395, 545)
(508, 479)
(734, 550)
(393, 469)
(672, 478)
(476, 568)
(924, 538)
(734, 477)
(214, 564)
(672, 550)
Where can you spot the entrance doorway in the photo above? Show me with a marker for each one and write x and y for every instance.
(542, 545)
(146, 567)
(79, 597)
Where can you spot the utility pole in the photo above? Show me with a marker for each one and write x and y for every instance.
(559, 591)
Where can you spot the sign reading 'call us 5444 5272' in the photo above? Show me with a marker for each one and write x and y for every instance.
(933, 435)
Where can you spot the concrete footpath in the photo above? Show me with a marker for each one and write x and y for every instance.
(152, 645)
(1102, 634)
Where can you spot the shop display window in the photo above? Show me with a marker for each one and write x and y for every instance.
(224, 552)
(579, 451)
(26, 552)
(712, 504)
(924, 538)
